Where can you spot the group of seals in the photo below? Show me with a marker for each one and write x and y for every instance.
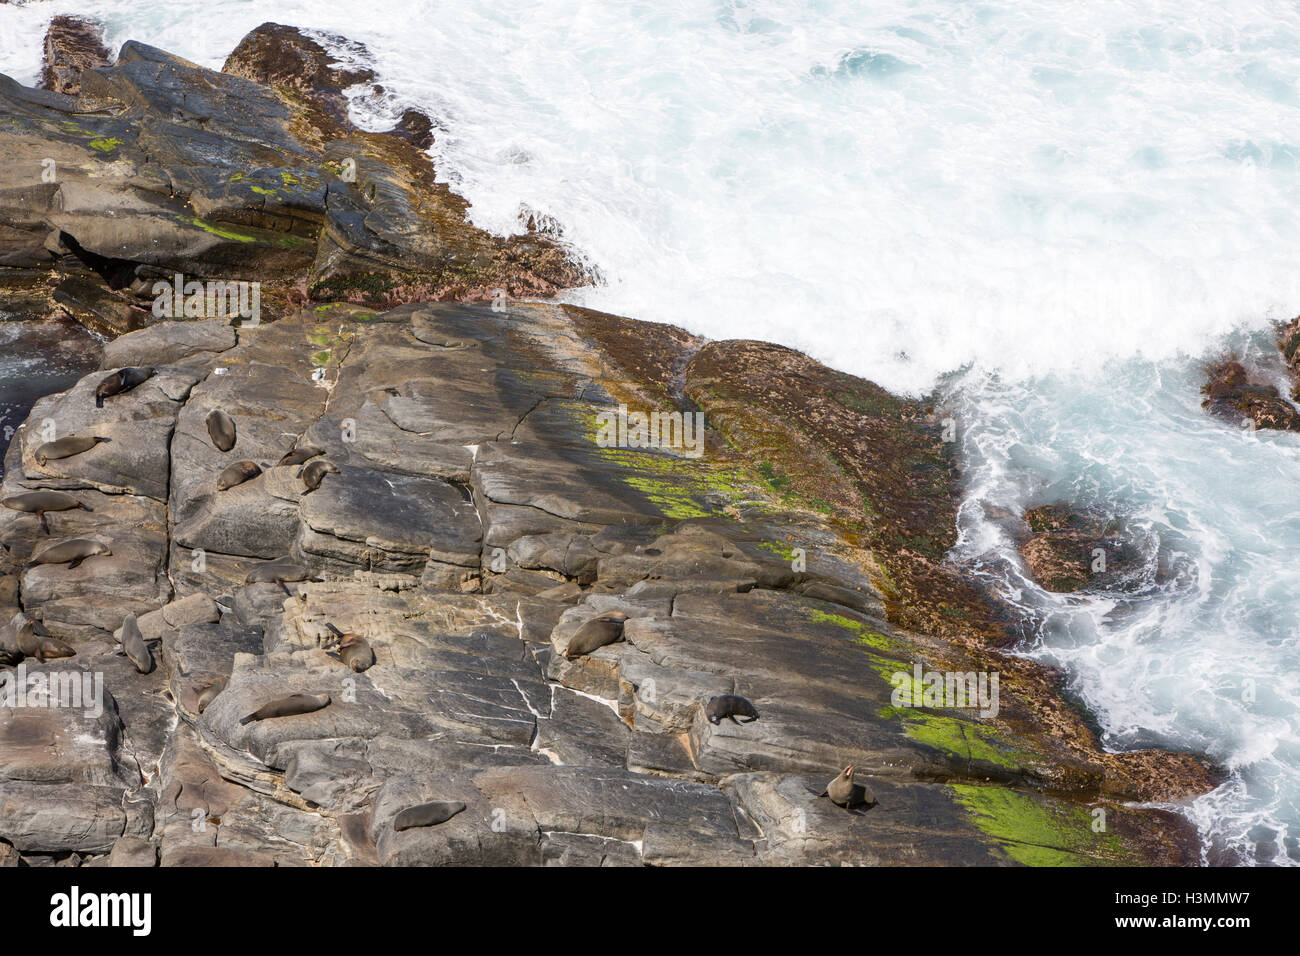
(70, 552)
(23, 637)
(599, 631)
(39, 502)
(67, 447)
(289, 706)
(123, 380)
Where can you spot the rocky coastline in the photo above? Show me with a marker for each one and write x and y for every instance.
(477, 518)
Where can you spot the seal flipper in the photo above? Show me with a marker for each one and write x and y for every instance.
(99, 400)
(75, 563)
(816, 793)
(40, 516)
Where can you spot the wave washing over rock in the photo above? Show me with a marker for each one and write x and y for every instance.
(475, 521)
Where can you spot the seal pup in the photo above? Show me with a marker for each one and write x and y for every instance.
(843, 792)
(597, 632)
(289, 706)
(221, 429)
(301, 454)
(39, 502)
(208, 693)
(427, 814)
(123, 380)
(70, 552)
(278, 571)
(313, 473)
(134, 647)
(729, 706)
(66, 447)
(237, 474)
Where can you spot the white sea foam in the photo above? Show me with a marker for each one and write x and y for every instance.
(1082, 199)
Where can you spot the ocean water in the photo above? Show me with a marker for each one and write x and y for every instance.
(1054, 213)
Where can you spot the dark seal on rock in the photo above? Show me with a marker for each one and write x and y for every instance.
(39, 502)
(221, 429)
(71, 552)
(314, 473)
(237, 474)
(67, 447)
(427, 814)
(597, 632)
(123, 380)
(290, 706)
(302, 453)
(729, 706)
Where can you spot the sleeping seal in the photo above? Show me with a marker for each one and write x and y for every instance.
(355, 652)
(313, 473)
(66, 447)
(278, 571)
(221, 429)
(728, 706)
(597, 632)
(70, 552)
(427, 814)
(208, 694)
(237, 474)
(301, 454)
(133, 645)
(289, 706)
(39, 502)
(123, 380)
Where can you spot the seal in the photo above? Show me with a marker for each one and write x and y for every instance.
(41, 647)
(123, 380)
(597, 632)
(313, 473)
(728, 706)
(133, 645)
(237, 474)
(39, 502)
(67, 447)
(10, 653)
(289, 706)
(221, 429)
(70, 552)
(301, 454)
(278, 571)
(427, 814)
(356, 653)
(843, 792)
(208, 693)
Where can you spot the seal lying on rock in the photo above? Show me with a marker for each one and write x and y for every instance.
(133, 645)
(847, 794)
(67, 447)
(70, 552)
(221, 429)
(597, 632)
(39, 502)
(728, 706)
(301, 454)
(353, 651)
(278, 571)
(237, 474)
(314, 473)
(427, 814)
(40, 647)
(123, 380)
(290, 706)
(208, 694)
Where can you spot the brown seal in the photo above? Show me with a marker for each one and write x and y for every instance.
(66, 447)
(221, 429)
(70, 552)
(123, 380)
(133, 645)
(597, 632)
(237, 474)
(843, 792)
(290, 706)
(207, 694)
(356, 653)
(728, 706)
(278, 571)
(427, 814)
(39, 502)
(314, 472)
(301, 454)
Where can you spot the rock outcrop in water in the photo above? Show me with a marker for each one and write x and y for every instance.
(478, 517)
